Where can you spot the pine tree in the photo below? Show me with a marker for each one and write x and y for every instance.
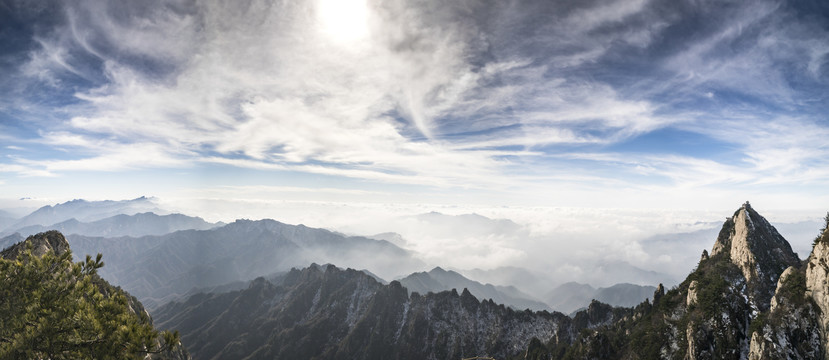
(51, 308)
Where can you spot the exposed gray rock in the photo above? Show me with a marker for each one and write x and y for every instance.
(692, 297)
(791, 328)
(817, 285)
(41, 244)
(758, 250)
(330, 313)
(783, 277)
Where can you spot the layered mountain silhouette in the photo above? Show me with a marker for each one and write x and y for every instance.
(6, 219)
(572, 296)
(438, 280)
(750, 298)
(86, 211)
(125, 225)
(157, 269)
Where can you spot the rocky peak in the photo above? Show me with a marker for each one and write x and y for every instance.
(755, 246)
(41, 244)
(658, 293)
(817, 282)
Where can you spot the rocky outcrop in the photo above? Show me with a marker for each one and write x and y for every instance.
(40, 243)
(791, 328)
(780, 284)
(817, 283)
(55, 242)
(731, 306)
(758, 250)
(330, 313)
(692, 296)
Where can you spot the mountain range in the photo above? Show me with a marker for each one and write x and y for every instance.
(330, 313)
(159, 268)
(438, 280)
(128, 241)
(572, 296)
(750, 298)
(86, 211)
(136, 225)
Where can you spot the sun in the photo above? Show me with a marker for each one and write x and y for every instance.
(343, 20)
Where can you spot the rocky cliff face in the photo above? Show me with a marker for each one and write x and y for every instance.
(758, 250)
(750, 299)
(329, 313)
(791, 329)
(817, 284)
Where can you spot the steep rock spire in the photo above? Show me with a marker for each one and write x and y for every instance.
(760, 252)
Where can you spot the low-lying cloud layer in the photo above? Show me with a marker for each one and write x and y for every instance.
(597, 246)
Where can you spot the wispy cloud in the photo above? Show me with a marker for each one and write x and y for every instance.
(435, 94)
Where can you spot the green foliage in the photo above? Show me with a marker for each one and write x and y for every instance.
(794, 287)
(51, 308)
(712, 284)
(649, 337)
(823, 235)
(758, 323)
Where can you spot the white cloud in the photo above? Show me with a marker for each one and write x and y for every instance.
(275, 87)
(545, 240)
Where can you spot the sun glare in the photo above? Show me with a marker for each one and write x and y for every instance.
(343, 20)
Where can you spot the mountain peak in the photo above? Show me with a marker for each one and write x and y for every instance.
(41, 244)
(755, 246)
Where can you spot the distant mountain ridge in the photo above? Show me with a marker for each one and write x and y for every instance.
(573, 296)
(722, 310)
(86, 211)
(6, 219)
(159, 268)
(136, 225)
(438, 280)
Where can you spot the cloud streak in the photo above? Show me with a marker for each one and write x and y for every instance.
(521, 94)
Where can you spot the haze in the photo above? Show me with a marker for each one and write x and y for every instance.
(583, 131)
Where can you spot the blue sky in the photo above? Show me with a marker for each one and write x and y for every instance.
(634, 103)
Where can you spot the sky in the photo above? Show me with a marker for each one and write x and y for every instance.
(346, 109)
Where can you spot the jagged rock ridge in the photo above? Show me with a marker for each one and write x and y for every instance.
(329, 313)
(750, 299)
